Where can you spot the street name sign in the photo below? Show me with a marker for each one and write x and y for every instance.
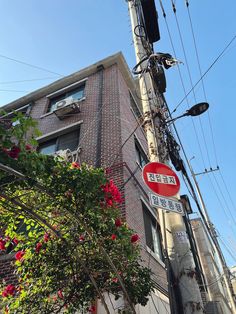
(166, 203)
(161, 179)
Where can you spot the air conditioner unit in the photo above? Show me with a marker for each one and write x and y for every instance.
(65, 154)
(66, 107)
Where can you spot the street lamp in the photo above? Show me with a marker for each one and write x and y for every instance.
(194, 111)
(172, 146)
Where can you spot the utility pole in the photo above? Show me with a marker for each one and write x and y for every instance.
(176, 243)
(215, 242)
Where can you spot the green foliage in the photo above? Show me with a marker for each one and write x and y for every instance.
(68, 219)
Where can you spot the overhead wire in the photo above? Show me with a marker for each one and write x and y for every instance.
(29, 80)
(227, 190)
(202, 81)
(224, 199)
(205, 73)
(227, 248)
(190, 79)
(30, 65)
(182, 81)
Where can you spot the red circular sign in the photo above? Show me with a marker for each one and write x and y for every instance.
(161, 179)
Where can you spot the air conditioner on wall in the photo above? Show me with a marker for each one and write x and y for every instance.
(66, 106)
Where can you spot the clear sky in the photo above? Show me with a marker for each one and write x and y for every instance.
(65, 36)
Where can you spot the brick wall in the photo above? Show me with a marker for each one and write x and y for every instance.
(118, 121)
(133, 193)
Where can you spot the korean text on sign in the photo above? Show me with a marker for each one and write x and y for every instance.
(165, 203)
(161, 178)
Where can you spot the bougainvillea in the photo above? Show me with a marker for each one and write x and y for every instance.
(62, 221)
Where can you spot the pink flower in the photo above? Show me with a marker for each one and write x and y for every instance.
(75, 165)
(38, 247)
(2, 245)
(113, 236)
(9, 290)
(15, 241)
(14, 152)
(134, 238)
(92, 309)
(46, 237)
(118, 222)
(60, 294)
(4, 294)
(19, 255)
(28, 147)
(115, 280)
(81, 238)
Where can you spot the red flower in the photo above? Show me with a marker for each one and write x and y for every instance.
(134, 238)
(81, 238)
(75, 165)
(113, 236)
(46, 237)
(14, 152)
(118, 222)
(60, 294)
(115, 279)
(112, 194)
(19, 255)
(38, 247)
(28, 147)
(92, 309)
(15, 241)
(2, 244)
(4, 294)
(9, 290)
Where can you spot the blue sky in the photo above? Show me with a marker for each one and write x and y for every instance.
(65, 36)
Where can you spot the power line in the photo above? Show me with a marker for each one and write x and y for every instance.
(227, 249)
(190, 78)
(228, 219)
(224, 199)
(227, 190)
(204, 74)
(30, 65)
(182, 82)
(202, 81)
(29, 80)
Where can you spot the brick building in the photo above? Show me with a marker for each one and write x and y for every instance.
(101, 126)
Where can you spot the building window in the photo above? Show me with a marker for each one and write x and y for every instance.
(66, 141)
(76, 94)
(141, 156)
(135, 107)
(152, 232)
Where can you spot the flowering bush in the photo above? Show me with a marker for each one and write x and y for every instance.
(63, 223)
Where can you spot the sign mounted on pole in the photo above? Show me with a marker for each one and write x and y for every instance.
(166, 203)
(161, 179)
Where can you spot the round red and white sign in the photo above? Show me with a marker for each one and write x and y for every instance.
(161, 179)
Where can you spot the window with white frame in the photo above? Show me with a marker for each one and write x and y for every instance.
(76, 93)
(152, 232)
(65, 141)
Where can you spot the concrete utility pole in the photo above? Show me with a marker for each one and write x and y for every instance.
(176, 239)
(215, 243)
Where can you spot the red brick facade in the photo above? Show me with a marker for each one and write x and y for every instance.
(117, 123)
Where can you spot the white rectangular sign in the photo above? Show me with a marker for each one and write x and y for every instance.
(166, 203)
(161, 178)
